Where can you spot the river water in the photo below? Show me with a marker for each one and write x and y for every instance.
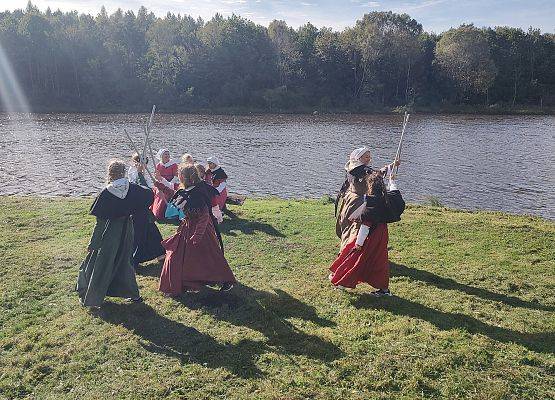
(466, 161)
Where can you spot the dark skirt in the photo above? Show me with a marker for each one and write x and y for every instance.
(107, 269)
(148, 240)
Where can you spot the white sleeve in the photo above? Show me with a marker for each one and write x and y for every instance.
(362, 233)
(132, 175)
(218, 214)
(392, 185)
(221, 187)
(175, 180)
(164, 182)
(358, 212)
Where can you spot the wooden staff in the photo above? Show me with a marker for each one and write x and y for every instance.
(398, 154)
(137, 151)
(147, 134)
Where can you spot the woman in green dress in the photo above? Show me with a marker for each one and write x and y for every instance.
(107, 269)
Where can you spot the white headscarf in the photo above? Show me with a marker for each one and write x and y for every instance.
(356, 154)
(213, 160)
(119, 187)
(160, 152)
(354, 161)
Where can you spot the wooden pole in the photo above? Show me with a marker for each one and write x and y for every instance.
(147, 133)
(398, 153)
(137, 151)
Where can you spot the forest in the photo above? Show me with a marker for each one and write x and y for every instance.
(126, 61)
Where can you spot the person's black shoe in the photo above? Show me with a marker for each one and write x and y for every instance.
(226, 287)
(382, 293)
(136, 300)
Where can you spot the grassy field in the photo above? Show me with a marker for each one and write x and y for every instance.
(473, 316)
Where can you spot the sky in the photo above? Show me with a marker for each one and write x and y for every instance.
(434, 15)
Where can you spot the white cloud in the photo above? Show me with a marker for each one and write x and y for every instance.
(371, 4)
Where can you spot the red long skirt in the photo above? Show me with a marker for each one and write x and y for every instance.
(221, 198)
(369, 265)
(162, 195)
(191, 266)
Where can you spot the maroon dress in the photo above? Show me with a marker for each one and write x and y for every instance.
(163, 193)
(369, 265)
(194, 256)
(215, 178)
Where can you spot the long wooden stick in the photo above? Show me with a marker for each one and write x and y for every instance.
(398, 154)
(147, 140)
(137, 151)
(151, 116)
(148, 126)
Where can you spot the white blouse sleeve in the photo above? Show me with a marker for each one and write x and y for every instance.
(362, 234)
(132, 175)
(392, 184)
(220, 188)
(217, 213)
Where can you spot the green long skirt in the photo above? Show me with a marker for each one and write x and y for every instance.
(107, 269)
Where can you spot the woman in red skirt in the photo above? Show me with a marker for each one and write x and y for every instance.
(216, 176)
(166, 183)
(363, 256)
(194, 255)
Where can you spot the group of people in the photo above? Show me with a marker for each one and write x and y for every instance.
(126, 234)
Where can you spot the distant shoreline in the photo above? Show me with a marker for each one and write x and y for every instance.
(473, 110)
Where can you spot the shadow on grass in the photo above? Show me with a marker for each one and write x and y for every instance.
(450, 284)
(153, 269)
(248, 227)
(172, 339)
(541, 342)
(265, 312)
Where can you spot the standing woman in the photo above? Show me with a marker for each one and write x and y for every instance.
(364, 256)
(147, 235)
(216, 176)
(107, 269)
(357, 168)
(166, 176)
(194, 257)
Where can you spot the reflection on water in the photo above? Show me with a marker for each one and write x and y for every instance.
(488, 162)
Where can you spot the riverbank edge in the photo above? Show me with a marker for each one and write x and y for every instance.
(321, 201)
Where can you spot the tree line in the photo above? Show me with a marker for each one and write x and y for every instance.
(120, 62)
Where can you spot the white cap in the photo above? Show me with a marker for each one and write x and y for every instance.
(357, 153)
(160, 152)
(213, 160)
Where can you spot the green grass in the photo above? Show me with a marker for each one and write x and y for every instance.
(473, 315)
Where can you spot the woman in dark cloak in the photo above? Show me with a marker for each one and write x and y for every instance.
(107, 270)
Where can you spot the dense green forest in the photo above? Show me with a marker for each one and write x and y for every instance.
(126, 61)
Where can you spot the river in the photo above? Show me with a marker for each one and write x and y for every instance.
(465, 161)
